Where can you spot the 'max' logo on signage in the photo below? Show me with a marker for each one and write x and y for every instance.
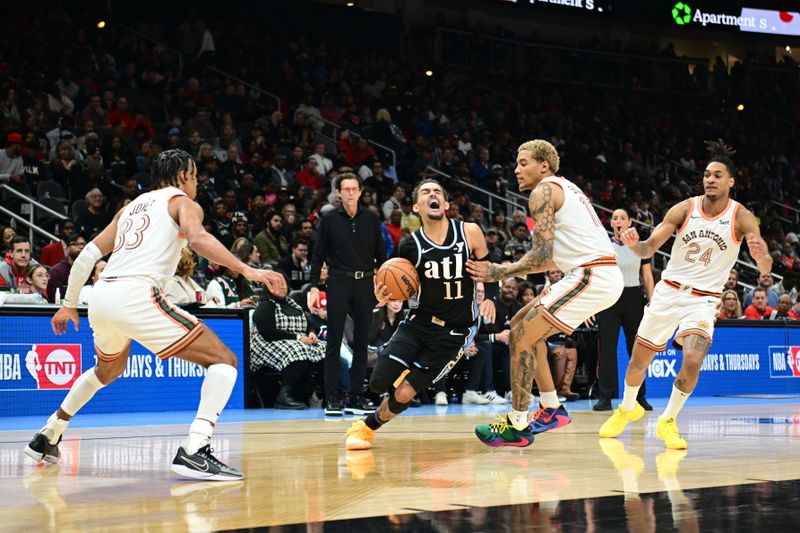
(663, 366)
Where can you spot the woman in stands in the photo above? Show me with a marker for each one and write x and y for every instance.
(731, 307)
(282, 340)
(182, 289)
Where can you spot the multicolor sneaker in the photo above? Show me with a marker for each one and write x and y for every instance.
(615, 425)
(359, 436)
(667, 430)
(502, 433)
(547, 418)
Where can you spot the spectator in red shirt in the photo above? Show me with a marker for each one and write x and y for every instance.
(14, 274)
(394, 227)
(758, 310)
(309, 175)
(120, 114)
(54, 252)
(355, 155)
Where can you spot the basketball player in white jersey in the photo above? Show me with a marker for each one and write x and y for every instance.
(710, 229)
(567, 236)
(145, 240)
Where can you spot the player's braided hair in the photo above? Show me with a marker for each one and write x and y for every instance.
(721, 153)
(165, 168)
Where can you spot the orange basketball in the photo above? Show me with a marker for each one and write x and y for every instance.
(400, 277)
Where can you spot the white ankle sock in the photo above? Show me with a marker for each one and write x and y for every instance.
(629, 397)
(54, 428)
(549, 399)
(676, 401)
(519, 419)
(214, 394)
(84, 388)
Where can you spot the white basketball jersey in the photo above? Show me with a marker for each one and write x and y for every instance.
(705, 248)
(149, 241)
(579, 235)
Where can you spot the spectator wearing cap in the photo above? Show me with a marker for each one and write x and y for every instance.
(95, 217)
(59, 274)
(11, 161)
(520, 240)
(174, 140)
(296, 266)
(55, 251)
(493, 244)
(69, 172)
(238, 227)
(309, 176)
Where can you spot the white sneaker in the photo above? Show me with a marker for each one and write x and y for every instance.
(472, 396)
(441, 399)
(494, 399)
(508, 397)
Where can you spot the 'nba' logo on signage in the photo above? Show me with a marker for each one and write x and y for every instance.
(54, 366)
(784, 361)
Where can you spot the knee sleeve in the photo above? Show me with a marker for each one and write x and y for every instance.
(395, 406)
(384, 374)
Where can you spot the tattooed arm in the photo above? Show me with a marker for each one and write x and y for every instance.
(540, 257)
(673, 220)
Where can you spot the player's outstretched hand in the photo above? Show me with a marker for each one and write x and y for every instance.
(274, 281)
(488, 311)
(62, 318)
(382, 293)
(629, 237)
(756, 247)
(479, 270)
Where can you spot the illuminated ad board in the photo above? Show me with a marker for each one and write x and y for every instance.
(747, 19)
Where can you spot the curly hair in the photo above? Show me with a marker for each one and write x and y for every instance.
(167, 165)
(542, 150)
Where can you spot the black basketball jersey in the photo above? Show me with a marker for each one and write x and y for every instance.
(446, 292)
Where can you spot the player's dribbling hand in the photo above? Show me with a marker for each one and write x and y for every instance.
(382, 293)
(62, 317)
(629, 237)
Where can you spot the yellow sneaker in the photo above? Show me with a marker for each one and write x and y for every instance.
(615, 425)
(667, 464)
(620, 457)
(359, 436)
(667, 430)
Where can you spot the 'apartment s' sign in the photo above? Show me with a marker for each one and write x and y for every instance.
(750, 19)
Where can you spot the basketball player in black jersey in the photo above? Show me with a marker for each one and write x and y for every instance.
(431, 340)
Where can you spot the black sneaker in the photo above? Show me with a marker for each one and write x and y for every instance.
(203, 465)
(333, 408)
(603, 404)
(40, 449)
(645, 405)
(359, 406)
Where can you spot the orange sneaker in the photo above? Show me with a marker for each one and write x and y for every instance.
(359, 436)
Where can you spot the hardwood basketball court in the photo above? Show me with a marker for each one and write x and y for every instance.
(425, 472)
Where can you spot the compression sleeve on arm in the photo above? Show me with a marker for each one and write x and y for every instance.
(82, 268)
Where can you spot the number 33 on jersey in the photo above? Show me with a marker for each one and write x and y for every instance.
(146, 243)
